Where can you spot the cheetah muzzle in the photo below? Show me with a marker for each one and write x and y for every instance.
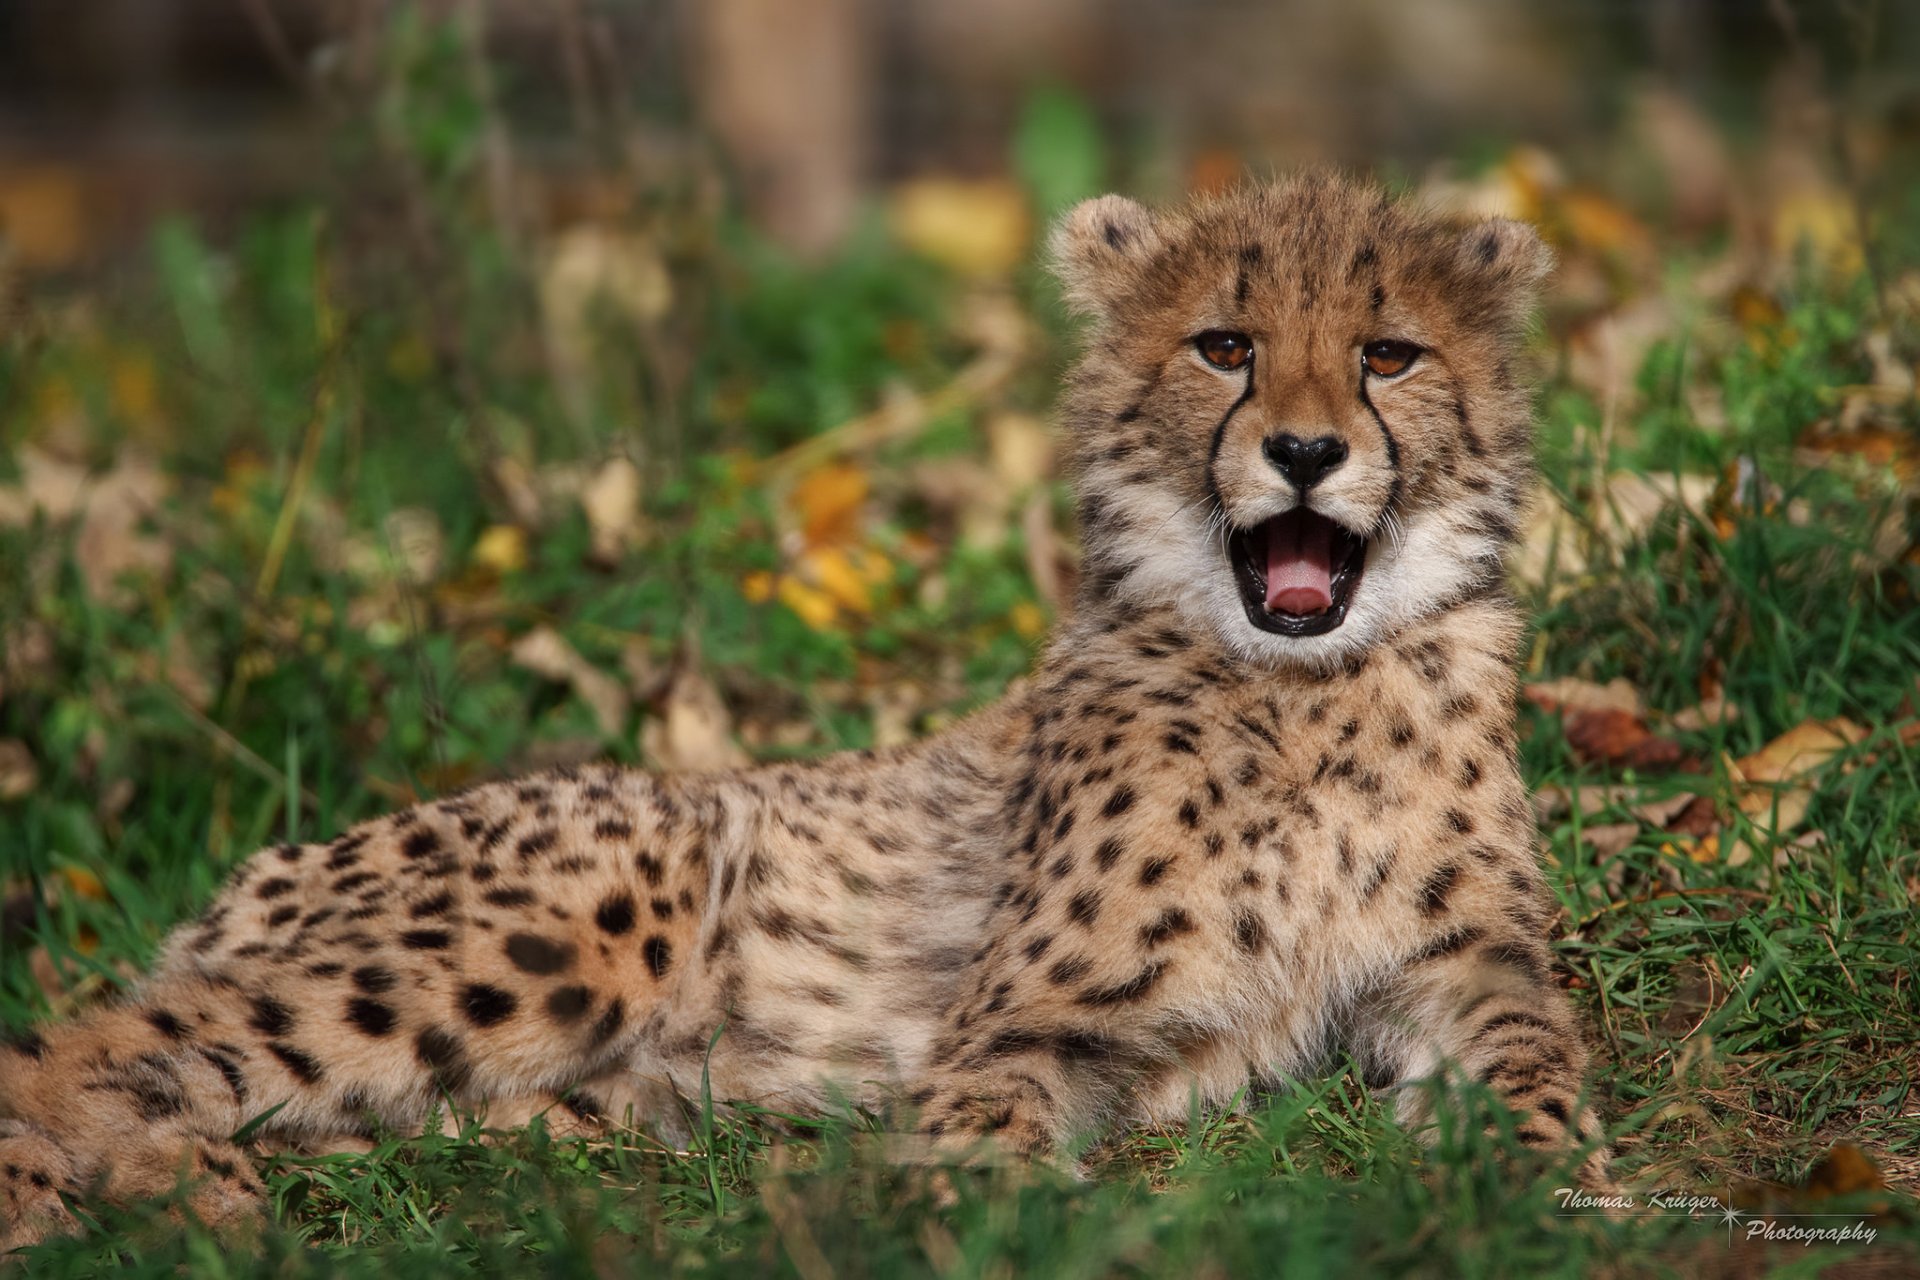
(1258, 807)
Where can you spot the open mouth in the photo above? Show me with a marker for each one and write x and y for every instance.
(1297, 572)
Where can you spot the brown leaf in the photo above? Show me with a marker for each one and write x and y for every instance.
(1699, 819)
(1610, 839)
(19, 775)
(693, 732)
(1799, 751)
(1619, 738)
(611, 500)
(1573, 694)
(545, 652)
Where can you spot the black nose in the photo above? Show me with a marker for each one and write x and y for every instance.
(1304, 463)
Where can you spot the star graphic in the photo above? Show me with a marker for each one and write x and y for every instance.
(1730, 1216)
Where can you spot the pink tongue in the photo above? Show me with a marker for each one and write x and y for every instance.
(1299, 564)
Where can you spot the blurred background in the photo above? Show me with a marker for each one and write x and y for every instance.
(456, 384)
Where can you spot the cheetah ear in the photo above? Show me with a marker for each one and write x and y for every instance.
(1507, 256)
(1100, 249)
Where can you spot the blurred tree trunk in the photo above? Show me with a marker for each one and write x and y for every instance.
(785, 86)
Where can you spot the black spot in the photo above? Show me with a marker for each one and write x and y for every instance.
(1435, 890)
(1489, 249)
(1460, 822)
(1132, 989)
(282, 914)
(1469, 773)
(373, 979)
(486, 1005)
(229, 1071)
(426, 939)
(1107, 854)
(420, 842)
(1085, 907)
(1249, 932)
(663, 909)
(513, 896)
(615, 915)
(288, 852)
(609, 1024)
(1189, 814)
(1448, 943)
(534, 954)
(270, 1017)
(443, 1055)
(348, 883)
(299, 1062)
(568, 1003)
(274, 888)
(1378, 298)
(1072, 969)
(1556, 1108)
(1118, 803)
(1153, 869)
(659, 956)
(1400, 733)
(371, 1016)
(613, 829)
(1171, 924)
(166, 1024)
(1182, 744)
(537, 842)
(435, 906)
(1116, 238)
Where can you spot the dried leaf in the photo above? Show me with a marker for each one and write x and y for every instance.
(416, 543)
(1611, 736)
(545, 652)
(693, 732)
(611, 500)
(1573, 695)
(1799, 751)
(827, 502)
(19, 775)
(1610, 839)
(1845, 1170)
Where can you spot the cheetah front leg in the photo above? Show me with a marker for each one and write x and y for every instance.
(1480, 997)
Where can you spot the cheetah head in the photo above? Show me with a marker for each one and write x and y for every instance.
(1297, 417)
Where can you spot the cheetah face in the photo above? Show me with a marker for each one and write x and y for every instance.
(1296, 419)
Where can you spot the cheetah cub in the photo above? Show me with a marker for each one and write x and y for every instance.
(1260, 801)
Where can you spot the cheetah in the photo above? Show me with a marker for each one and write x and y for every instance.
(1258, 803)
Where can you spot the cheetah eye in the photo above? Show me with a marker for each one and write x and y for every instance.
(1387, 358)
(1224, 349)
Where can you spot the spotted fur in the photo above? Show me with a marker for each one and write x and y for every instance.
(1191, 855)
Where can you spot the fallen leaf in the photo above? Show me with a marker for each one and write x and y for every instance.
(417, 546)
(1844, 1170)
(827, 502)
(1704, 715)
(500, 549)
(1572, 694)
(693, 732)
(611, 500)
(1799, 751)
(546, 653)
(1611, 736)
(1610, 839)
(977, 228)
(19, 775)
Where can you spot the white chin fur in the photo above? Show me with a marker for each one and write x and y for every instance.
(1425, 565)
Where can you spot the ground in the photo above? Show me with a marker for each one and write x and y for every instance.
(291, 541)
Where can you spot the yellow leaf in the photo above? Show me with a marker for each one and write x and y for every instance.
(978, 228)
(757, 586)
(84, 883)
(814, 607)
(501, 548)
(1825, 222)
(828, 502)
(846, 576)
(1028, 619)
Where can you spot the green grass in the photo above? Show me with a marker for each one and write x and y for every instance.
(305, 388)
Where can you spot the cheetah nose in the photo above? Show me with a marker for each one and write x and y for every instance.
(1304, 463)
